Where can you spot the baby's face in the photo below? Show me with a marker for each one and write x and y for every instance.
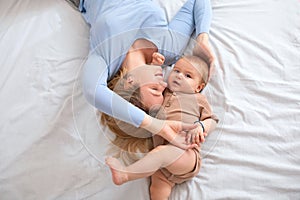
(184, 78)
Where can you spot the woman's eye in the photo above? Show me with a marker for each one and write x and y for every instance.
(155, 88)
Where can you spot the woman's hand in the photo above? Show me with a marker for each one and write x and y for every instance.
(175, 133)
(169, 130)
(203, 50)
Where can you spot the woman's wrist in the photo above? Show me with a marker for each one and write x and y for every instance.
(159, 127)
(202, 37)
(146, 121)
(152, 124)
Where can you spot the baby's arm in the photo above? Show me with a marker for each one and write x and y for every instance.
(197, 135)
(157, 59)
(206, 123)
(207, 126)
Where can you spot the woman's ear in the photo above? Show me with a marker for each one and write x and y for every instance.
(128, 82)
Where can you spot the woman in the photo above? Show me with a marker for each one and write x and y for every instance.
(124, 34)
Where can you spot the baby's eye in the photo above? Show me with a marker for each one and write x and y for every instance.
(176, 70)
(188, 76)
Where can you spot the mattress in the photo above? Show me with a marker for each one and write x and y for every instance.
(53, 146)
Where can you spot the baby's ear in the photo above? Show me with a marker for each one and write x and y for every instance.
(200, 87)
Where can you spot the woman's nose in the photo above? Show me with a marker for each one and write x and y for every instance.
(163, 84)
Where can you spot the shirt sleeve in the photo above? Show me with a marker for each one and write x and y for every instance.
(96, 92)
(194, 14)
(203, 16)
(205, 109)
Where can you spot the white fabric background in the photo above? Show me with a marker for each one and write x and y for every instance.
(52, 146)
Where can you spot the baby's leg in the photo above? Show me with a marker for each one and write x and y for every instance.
(117, 175)
(161, 156)
(160, 188)
(186, 163)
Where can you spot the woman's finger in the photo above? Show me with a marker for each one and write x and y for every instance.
(188, 127)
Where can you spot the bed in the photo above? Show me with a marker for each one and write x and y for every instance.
(53, 147)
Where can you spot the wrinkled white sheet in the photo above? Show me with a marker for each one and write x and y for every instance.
(52, 146)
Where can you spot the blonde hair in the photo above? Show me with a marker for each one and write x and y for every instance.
(126, 141)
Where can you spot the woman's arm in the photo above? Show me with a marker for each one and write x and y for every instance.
(169, 130)
(203, 50)
(97, 93)
(194, 14)
(202, 16)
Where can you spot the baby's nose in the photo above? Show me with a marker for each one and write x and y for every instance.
(179, 75)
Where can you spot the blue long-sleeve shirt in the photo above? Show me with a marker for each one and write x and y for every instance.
(114, 26)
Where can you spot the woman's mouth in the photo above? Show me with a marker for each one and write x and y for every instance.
(159, 73)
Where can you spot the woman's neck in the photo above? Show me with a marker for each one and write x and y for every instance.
(140, 53)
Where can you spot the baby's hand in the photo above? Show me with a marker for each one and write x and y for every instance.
(157, 59)
(196, 136)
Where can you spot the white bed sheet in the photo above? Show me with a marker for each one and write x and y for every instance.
(52, 146)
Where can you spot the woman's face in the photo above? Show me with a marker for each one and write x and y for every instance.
(150, 80)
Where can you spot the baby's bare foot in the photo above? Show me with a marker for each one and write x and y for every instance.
(118, 175)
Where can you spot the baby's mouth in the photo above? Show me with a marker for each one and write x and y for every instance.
(176, 83)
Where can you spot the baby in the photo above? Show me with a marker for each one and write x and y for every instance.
(167, 164)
